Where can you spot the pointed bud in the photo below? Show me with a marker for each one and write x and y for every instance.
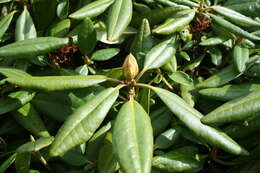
(130, 67)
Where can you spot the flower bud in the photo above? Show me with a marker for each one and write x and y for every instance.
(130, 67)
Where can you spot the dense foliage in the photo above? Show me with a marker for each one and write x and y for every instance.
(127, 86)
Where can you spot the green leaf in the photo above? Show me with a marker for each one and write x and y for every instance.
(96, 142)
(4, 166)
(74, 157)
(15, 100)
(35, 145)
(187, 2)
(105, 54)
(181, 78)
(82, 70)
(233, 28)
(22, 162)
(186, 94)
(214, 41)
(191, 118)
(144, 97)
(238, 131)
(249, 8)
(85, 120)
(222, 77)
(133, 128)
(155, 16)
(229, 92)
(216, 55)
(240, 57)
(107, 161)
(160, 120)
(91, 10)
(57, 83)
(63, 8)
(160, 54)
(31, 48)
(12, 72)
(173, 25)
(59, 107)
(60, 29)
(143, 41)
(171, 66)
(235, 17)
(235, 110)
(28, 118)
(119, 17)
(179, 160)
(167, 138)
(87, 37)
(5, 22)
(25, 28)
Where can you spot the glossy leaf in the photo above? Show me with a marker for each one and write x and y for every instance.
(187, 95)
(92, 9)
(160, 120)
(235, 17)
(160, 54)
(175, 24)
(85, 120)
(250, 8)
(222, 77)
(104, 54)
(240, 58)
(187, 2)
(181, 78)
(96, 142)
(119, 17)
(35, 145)
(31, 48)
(143, 41)
(63, 8)
(4, 166)
(22, 162)
(167, 138)
(233, 28)
(27, 117)
(25, 28)
(241, 130)
(5, 22)
(171, 66)
(213, 41)
(216, 55)
(179, 160)
(15, 100)
(57, 83)
(191, 118)
(133, 128)
(12, 72)
(229, 92)
(87, 37)
(156, 16)
(60, 29)
(235, 110)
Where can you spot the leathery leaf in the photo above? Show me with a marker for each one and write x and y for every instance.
(191, 118)
(92, 9)
(133, 138)
(31, 48)
(235, 110)
(160, 54)
(119, 17)
(56, 83)
(82, 124)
